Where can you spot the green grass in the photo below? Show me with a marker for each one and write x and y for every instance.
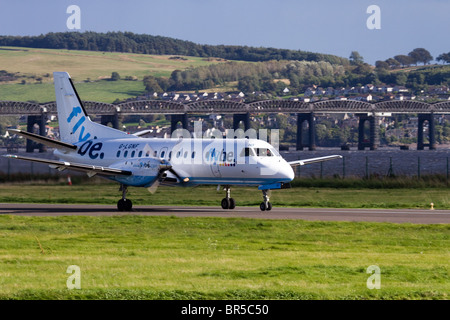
(104, 91)
(83, 65)
(91, 64)
(137, 257)
(107, 193)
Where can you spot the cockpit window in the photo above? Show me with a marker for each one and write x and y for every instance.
(275, 152)
(264, 152)
(247, 152)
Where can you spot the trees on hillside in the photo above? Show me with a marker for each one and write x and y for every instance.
(356, 58)
(148, 44)
(420, 55)
(444, 57)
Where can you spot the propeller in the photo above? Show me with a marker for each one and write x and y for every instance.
(165, 166)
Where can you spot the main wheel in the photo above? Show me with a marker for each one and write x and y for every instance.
(262, 206)
(128, 205)
(225, 203)
(124, 205)
(269, 206)
(121, 205)
(232, 204)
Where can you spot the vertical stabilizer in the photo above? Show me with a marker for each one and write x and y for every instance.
(74, 123)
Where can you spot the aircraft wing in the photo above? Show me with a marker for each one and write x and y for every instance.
(313, 160)
(62, 165)
(44, 140)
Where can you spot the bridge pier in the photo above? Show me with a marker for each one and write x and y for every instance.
(431, 136)
(374, 132)
(308, 117)
(244, 117)
(113, 119)
(41, 122)
(175, 118)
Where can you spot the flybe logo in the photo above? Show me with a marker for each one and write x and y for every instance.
(221, 158)
(79, 124)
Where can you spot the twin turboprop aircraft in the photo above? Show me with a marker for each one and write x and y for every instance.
(149, 162)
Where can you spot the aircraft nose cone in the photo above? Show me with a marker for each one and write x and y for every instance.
(286, 173)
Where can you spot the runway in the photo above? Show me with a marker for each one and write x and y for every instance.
(312, 214)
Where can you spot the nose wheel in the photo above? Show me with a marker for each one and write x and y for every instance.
(265, 205)
(124, 204)
(228, 202)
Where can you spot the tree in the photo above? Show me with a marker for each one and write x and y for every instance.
(381, 65)
(404, 60)
(356, 58)
(445, 57)
(115, 76)
(393, 63)
(420, 55)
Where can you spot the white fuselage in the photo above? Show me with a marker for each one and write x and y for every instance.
(202, 161)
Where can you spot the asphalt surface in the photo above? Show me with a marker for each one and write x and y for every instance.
(313, 214)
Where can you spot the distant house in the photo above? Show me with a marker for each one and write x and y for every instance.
(387, 89)
(320, 91)
(330, 91)
(368, 88)
(400, 89)
(310, 91)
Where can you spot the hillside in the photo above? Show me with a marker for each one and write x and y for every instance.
(148, 44)
(34, 68)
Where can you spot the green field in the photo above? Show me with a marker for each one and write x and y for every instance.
(144, 257)
(137, 257)
(107, 193)
(83, 65)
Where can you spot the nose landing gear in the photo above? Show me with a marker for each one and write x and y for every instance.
(124, 204)
(265, 205)
(228, 202)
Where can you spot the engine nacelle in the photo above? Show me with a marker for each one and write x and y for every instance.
(145, 171)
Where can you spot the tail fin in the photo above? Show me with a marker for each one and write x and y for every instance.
(74, 123)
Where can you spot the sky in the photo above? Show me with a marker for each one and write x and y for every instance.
(324, 26)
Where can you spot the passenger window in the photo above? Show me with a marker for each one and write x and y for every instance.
(193, 154)
(118, 154)
(132, 153)
(125, 154)
(163, 153)
(140, 154)
(170, 155)
(155, 154)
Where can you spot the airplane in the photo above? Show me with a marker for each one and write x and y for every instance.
(132, 160)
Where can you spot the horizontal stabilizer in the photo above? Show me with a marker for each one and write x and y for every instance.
(44, 140)
(313, 160)
(91, 170)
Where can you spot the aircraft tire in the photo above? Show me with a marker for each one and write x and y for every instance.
(124, 205)
(232, 204)
(225, 203)
(269, 206)
(121, 205)
(262, 206)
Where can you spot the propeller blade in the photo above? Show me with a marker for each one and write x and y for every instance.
(182, 180)
(154, 186)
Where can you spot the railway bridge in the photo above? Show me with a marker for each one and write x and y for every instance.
(305, 112)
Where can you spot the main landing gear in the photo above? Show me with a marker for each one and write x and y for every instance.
(124, 204)
(265, 205)
(227, 202)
